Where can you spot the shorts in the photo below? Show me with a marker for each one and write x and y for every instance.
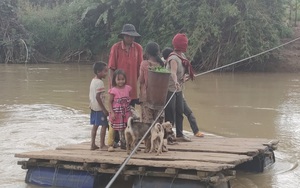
(98, 118)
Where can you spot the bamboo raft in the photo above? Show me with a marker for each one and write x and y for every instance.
(202, 160)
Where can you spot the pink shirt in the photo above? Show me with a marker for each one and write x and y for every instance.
(120, 106)
(128, 61)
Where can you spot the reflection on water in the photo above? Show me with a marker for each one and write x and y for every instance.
(44, 106)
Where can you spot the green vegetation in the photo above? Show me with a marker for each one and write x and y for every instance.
(59, 33)
(12, 48)
(219, 31)
(159, 69)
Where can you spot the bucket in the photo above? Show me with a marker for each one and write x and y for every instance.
(157, 88)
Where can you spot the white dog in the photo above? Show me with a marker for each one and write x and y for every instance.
(157, 136)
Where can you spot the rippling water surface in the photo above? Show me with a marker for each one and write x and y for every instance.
(45, 106)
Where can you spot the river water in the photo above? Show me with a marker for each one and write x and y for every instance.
(45, 106)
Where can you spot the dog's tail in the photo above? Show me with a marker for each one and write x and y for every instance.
(129, 122)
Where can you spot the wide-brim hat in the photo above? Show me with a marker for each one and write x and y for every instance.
(129, 29)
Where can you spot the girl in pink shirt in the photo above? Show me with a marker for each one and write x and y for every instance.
(153, 59)
(119, 103)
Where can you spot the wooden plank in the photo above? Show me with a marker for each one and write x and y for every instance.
(247, 146)
(225, 144)
(188, 147)
(171, 156)
(225, 139)
(94, 158)
(172, 148)
(171, 171)
(230, 142)
(217, 149)
(211, 141)
(208, 154)
(192, 156)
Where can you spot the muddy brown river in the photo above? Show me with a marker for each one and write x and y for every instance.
(45, 106)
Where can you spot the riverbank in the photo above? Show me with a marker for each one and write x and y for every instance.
(284, 59)
(287, 57)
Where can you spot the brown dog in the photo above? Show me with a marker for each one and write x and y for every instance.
(134, 132)
(134, 114)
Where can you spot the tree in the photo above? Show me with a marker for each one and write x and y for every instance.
(12, 34)
(220, 31)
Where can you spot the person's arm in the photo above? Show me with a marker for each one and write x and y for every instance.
(110, 77)
(112, 63)
(98, 98)
(173, 65)
(110, 106)
(142, 74)
(186, 77)
(139, 59)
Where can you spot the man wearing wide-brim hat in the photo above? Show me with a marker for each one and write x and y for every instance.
(129, 29)
(127, 55)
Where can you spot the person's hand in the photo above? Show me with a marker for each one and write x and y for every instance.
(186, 77)
(105, 112)
(112, 116)
(177, 85)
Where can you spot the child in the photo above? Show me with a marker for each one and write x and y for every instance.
(97, 99)
(186, 110)
(166, 52)
(153, 59)
(119, 109)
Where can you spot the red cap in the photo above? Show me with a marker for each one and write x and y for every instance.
(180, 42)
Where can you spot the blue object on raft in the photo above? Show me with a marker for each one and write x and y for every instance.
(45, 176)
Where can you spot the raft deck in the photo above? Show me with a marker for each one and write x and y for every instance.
(203, 159)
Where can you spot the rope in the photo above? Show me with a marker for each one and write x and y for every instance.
(138, 144)
(236, 62)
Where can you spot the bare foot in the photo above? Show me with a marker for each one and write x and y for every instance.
(94, 147)
(105, 147)
(110, 149)
(199, 134)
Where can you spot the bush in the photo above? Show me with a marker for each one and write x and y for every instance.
(219, 32)
(58, 32)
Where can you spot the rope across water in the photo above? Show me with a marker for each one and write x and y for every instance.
(239, 61)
